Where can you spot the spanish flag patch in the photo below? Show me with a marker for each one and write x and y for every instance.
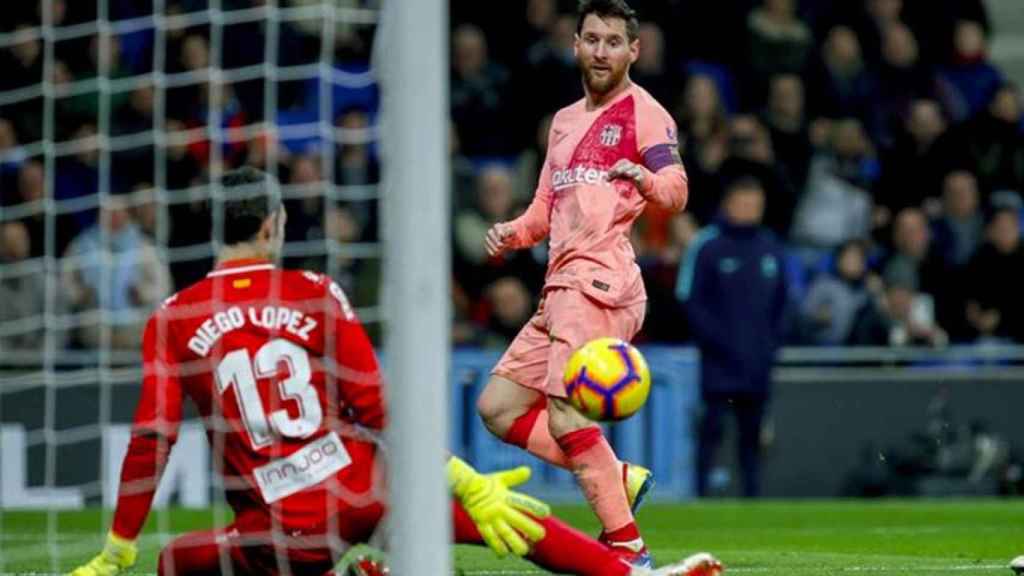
(242, 283)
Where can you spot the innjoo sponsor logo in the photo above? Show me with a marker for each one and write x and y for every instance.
(311, 465)
(574, 175)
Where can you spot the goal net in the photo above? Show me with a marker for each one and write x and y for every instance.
(117, 121)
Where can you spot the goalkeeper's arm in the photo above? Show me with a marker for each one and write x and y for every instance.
(141, 471)
(157, 417)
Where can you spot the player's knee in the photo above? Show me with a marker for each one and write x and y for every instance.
(564, 418)
(494, 412)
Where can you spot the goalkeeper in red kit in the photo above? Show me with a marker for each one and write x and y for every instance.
(288, 387)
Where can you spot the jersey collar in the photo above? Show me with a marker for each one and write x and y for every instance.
(240, 265)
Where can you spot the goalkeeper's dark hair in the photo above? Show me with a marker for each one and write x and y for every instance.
(249, 197)
(604, 9)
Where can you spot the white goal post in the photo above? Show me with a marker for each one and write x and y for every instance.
(415, 85)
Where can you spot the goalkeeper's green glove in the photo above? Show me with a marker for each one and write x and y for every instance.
(117, 555)
(500, 514)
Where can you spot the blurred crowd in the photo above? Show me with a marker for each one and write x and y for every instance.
(889, 148)
(122, 252)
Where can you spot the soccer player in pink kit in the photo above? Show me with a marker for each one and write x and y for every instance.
(608, 155)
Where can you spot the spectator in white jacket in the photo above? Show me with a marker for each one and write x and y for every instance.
(835, 296)
(113, 269)
(834, 209)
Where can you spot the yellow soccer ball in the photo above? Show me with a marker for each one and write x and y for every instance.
(607, 379)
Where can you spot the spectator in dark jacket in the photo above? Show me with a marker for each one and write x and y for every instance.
(732, 285)
(22, 63)
(842, 85)
(994, 307)
(778, 41)
(913, 168)
(902, 78)
(478, 89)
(651, 68)
(751, 154)
(957, 233)
(991, 144)
(959, 228)
(970, 80)
(785, 118)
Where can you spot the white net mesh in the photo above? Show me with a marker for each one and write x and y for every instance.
(117, 121)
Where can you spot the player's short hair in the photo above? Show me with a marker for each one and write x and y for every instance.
(609, 9)
(249, 197)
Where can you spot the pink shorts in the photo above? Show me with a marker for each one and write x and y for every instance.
(565, 320)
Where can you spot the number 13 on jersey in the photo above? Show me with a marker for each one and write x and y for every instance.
(241, 371)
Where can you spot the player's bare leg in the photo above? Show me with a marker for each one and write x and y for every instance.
(502, 402)
(544, 427)
(518, 415)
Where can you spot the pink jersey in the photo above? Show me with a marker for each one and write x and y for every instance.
(277, 365)
(588, 218)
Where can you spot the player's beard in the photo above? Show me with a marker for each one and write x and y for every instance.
(601, 84)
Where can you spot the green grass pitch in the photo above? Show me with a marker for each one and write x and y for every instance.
(883, 538)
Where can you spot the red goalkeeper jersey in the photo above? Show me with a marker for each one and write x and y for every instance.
(282, 374)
